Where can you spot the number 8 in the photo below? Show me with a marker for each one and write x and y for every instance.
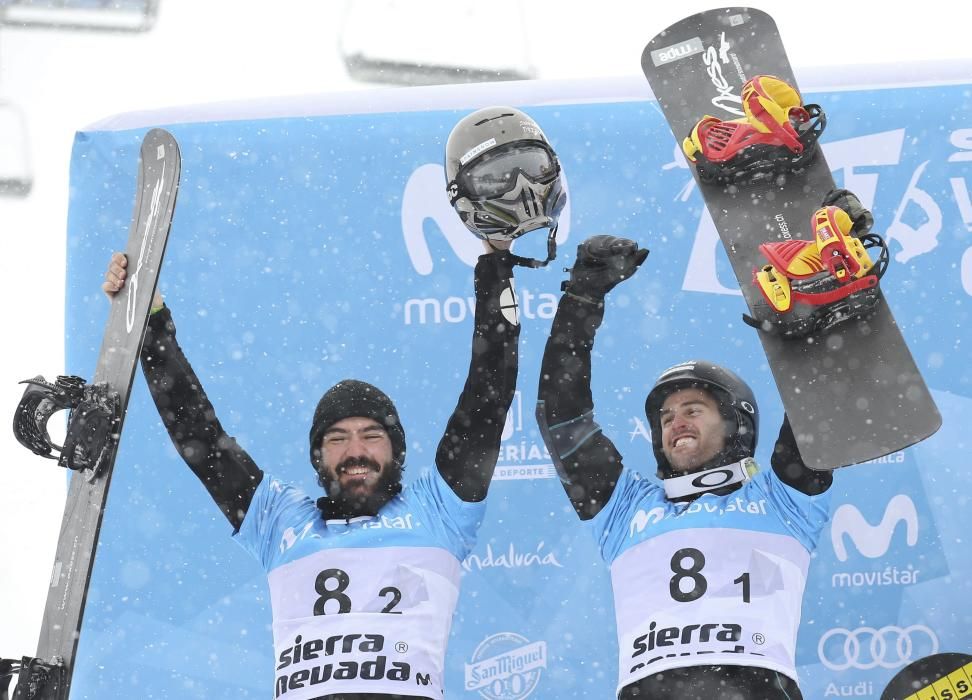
(698, 561)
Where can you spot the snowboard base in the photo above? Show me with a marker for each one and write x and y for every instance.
(854, 392)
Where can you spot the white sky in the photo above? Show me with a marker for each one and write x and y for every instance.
(210, 50)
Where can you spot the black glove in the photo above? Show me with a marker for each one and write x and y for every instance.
(602, 263)
(848, 201)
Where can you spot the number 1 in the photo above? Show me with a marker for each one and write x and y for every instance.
(744, 580)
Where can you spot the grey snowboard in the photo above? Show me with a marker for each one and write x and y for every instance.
(158, 181)
(852, 393)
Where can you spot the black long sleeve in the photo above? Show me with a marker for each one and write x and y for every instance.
(467, 454)
(789, 466)
(224, 468)
(587, 461)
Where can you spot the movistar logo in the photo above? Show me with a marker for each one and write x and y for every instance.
(873, 541)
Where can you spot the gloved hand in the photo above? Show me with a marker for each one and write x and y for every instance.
(848, 201)
(602, 263)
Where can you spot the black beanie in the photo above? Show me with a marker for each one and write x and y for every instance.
(351, 398)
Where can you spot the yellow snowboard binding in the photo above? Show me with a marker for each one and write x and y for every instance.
(830, 279)
(778, 135)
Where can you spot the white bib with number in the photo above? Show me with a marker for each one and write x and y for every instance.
(374, 619)
(365, 605)
(708, 596)
(715, 581)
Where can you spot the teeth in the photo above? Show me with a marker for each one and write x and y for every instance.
(356, 471)
(683, 440)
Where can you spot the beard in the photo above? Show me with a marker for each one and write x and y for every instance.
(361, 500)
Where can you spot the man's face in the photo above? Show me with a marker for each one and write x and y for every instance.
(693, 431)
(357, 466)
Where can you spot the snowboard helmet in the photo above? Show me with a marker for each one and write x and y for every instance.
(737, 404)
(503, 177)
(351, 398)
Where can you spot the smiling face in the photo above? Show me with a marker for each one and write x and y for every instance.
(693, 430)
(357, 466)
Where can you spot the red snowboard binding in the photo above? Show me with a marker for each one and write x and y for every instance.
(814, 285)
(777, 136)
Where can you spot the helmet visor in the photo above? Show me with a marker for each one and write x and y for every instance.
(495, 172)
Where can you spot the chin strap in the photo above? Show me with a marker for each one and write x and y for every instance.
(710, 479)
(532, 262)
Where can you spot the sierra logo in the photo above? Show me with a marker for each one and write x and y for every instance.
(376, 665)
(690, 634)
(672, 53)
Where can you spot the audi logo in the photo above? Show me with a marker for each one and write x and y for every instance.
(866, 647)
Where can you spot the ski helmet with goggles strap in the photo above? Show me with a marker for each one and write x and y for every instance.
(504, 179)
(737, 405)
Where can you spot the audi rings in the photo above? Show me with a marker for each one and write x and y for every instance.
(866, 647)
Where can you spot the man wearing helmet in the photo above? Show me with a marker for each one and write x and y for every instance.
(373, 564)
(709, 568)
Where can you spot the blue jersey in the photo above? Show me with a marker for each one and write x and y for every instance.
(362, 605)
(718, 580)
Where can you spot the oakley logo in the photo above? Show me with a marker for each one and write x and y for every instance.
(747, 407)
(873, 541)
(713, 479)
(866, 647)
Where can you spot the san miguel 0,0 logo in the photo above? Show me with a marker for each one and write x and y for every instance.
(506, 666)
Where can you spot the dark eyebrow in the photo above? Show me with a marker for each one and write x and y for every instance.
(373, 426)
(692, 402)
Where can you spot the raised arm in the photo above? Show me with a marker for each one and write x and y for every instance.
(225, 469)
(468, 451)
(789, 466)
(586, 460)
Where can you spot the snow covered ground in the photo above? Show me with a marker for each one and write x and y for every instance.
(65, 80)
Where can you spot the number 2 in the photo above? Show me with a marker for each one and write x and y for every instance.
(396, 599)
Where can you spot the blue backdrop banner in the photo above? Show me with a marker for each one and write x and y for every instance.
(317, 245)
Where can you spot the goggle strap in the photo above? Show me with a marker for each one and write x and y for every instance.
(533, 262)
(709, 479)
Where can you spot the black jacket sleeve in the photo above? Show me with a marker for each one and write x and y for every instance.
(586, 460)
(225, 469)
(791, 470)
(468, 451)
